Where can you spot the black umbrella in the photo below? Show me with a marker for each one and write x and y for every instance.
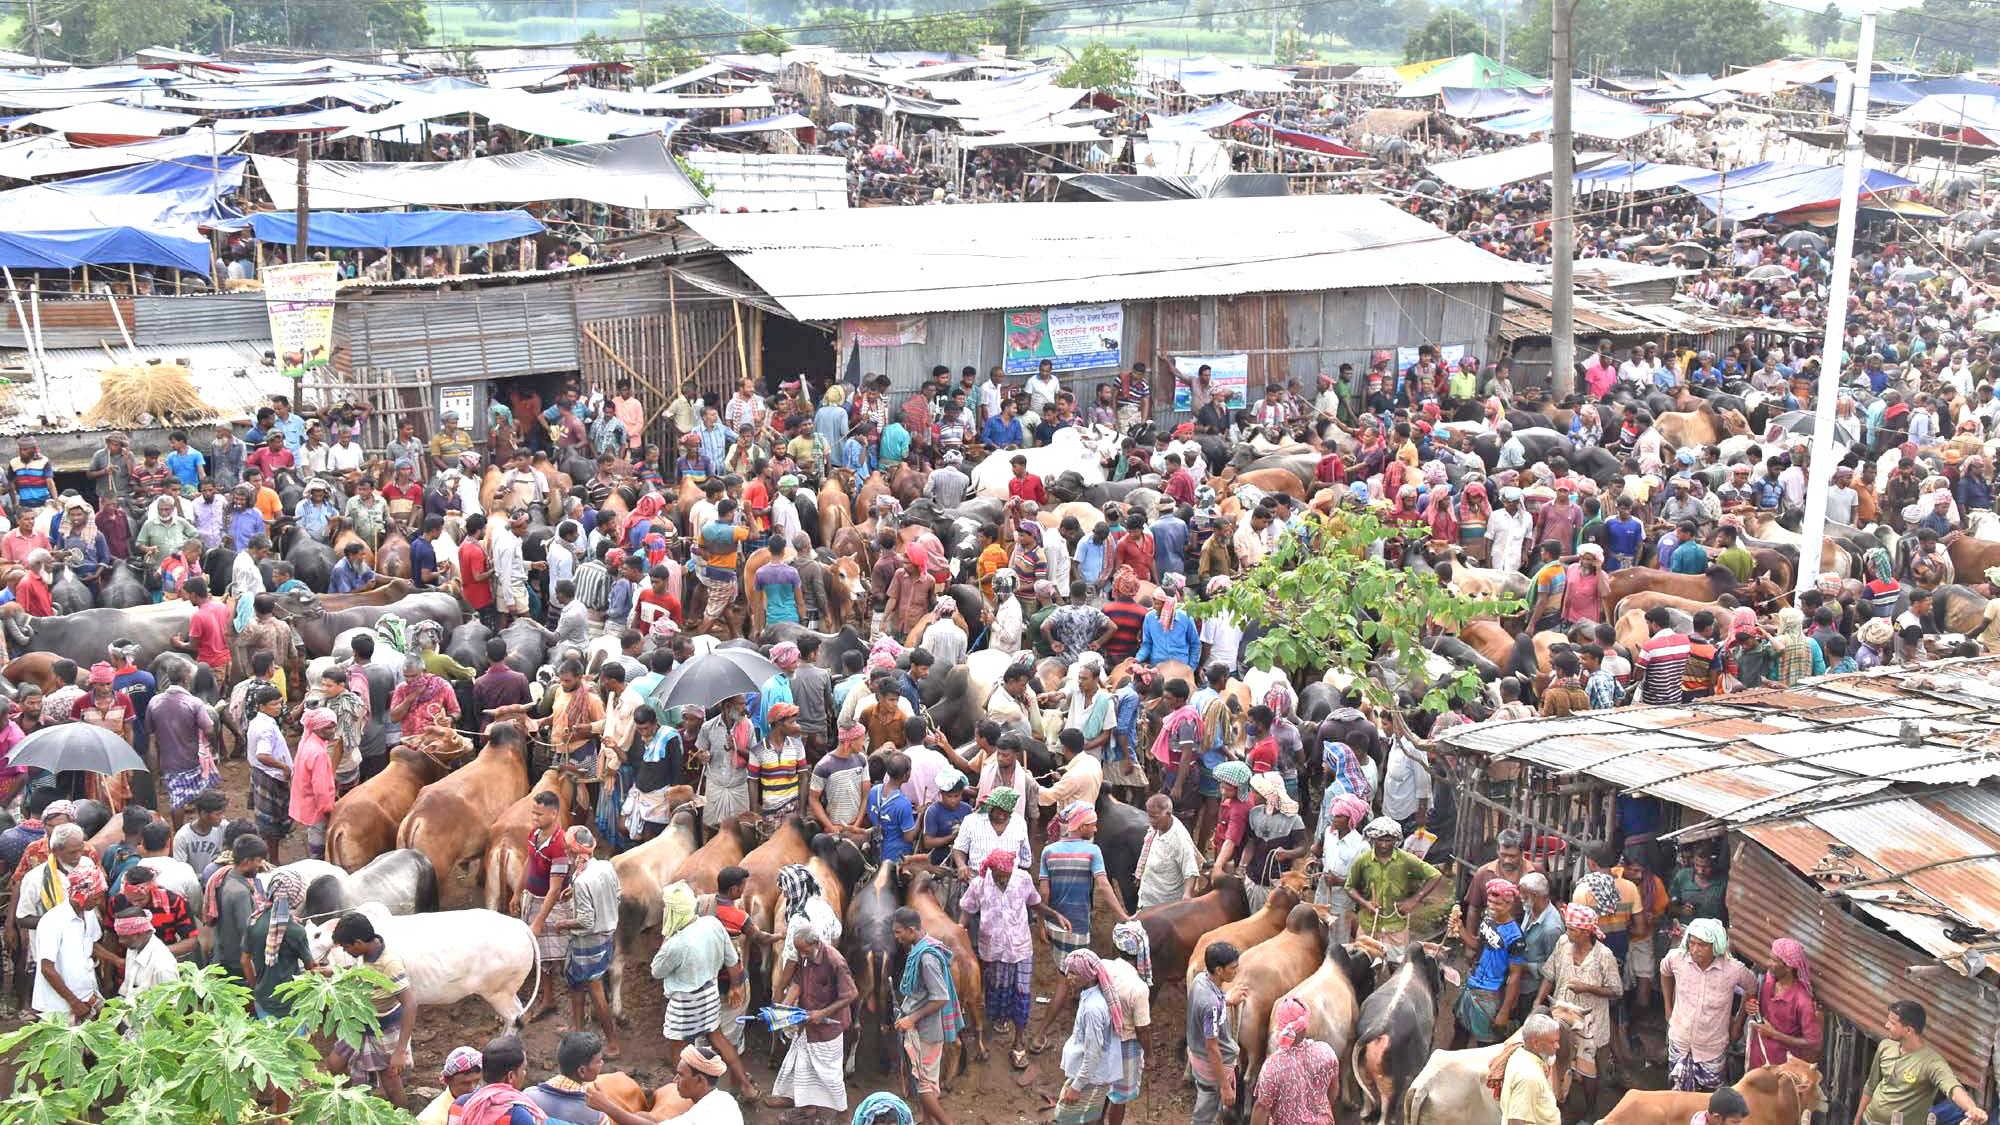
(77, 746)
(708, 680)
(1803, 238)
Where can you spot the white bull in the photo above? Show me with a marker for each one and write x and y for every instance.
(1082, 450)
(450, 955)
(1452, 1090)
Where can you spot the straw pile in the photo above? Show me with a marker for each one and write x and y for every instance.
(135, 395)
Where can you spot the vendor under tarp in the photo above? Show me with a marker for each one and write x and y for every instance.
(385, 229)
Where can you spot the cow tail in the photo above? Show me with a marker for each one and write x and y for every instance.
(535, 993)
(1413, 1103)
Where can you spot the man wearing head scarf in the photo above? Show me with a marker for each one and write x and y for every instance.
(1704, 989)
(1276, 835)
(1072, 872)
(1507, 529)
(276, 948)
(1341, 844)
(1492, 991)
(1293, 1085)
(460, 1076)
(1092, 1058)
(1387, 883)
(693, 951)
(1002, 898)
(65, 970)
(1784, 1016)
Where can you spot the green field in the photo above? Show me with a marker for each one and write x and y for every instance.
(466, 23)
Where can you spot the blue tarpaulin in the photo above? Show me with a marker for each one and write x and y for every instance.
(183, 248)
(381, 229)
(1626, 175)
(1776, 185)
(1889, 91)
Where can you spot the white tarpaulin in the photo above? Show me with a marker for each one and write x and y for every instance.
(559, 116)
(636, 101)
(632, 172)
(1508, 166)
(37, 157)
(783, 123)
(106, 120)
(1042, 135)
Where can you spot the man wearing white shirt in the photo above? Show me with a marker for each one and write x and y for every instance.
(65, 970)
(991, 392)
(1507, 528)
(1042, 387)
(1168, 860)
(345, 456)
(1407, 787)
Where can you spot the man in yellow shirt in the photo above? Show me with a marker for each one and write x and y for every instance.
(1526, 1095)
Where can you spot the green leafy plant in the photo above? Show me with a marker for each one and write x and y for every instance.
(1329, 603)
(194, 1056)
(1102, 67)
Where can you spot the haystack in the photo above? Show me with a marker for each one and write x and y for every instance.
(138, 395)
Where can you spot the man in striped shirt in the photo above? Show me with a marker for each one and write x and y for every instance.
(777, 766)
(1662, 661)
(593, 586)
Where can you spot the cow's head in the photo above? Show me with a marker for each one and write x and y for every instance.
(1805, 1079)
(298, 604)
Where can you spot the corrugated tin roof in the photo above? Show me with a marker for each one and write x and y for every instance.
(1755, 755)
(762, 181)
(231, 376)
(884, 261)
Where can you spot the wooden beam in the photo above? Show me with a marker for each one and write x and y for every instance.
(674, 332)
(742, 345)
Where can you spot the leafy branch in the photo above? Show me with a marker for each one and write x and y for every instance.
(195, 1056)
(1330, 604)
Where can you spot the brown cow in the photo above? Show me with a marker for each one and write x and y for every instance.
(450, 819)
(382, 591)
(731, 841)
(1776, 1095)
(507, 847)
(1271, 480)
(1174, 928)
(662, 1104)
(645, 871)
(834, 514)
(1266, 972)
(964, 963)
(1264, 925)
(1704, 426)
(1970, 557)
(866, 494)
(790, 844)
(1694, 587)
(37, 668)
(364, 822)
(393, 557)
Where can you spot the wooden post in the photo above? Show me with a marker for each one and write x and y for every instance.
(299, 238)
(674, 331)
(742, 346)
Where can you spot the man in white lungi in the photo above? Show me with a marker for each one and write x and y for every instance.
(811, 1077)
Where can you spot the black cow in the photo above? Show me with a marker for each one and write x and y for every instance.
(1393, 1034)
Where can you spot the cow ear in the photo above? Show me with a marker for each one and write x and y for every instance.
(1452, 978)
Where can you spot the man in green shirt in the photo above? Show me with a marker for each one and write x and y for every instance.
(1733, 556)
(1908, 1077)
(1387, 883)
(164, 532)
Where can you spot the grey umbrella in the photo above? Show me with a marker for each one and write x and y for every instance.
(1768, 273)
(1911, 274)
(708, 680)
(1803, 238)
(77, 746)
(1970, 217)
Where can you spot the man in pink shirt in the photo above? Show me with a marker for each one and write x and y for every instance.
(1704, 991)
(208, 632)
(16, 545)
(631, 412)
(1583, 591)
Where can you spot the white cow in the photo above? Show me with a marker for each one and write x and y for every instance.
(1082, 450)
(1452, 1090)
(450, 955)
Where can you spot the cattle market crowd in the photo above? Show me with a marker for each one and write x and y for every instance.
(896, 730)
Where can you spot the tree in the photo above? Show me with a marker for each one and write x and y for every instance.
(1101, 67)
(1824, 26)
(102, 30)
(763, 41)
(1948, 26)
(1329, 605)
(1677, 35)
(196, 1057)
(1447, 34)
(1014, 21)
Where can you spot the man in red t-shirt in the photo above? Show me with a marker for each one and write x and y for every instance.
(1133, 548)
(208, 632)
(657, 602)
(31, 592)
(272, 457)
(1024, 485)
(475, 572)
(730, 885)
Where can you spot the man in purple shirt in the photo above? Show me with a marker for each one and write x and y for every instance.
(178, 724)
(499, 685)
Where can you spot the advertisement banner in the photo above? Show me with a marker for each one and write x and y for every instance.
(888, 332)
(1070, 337)
(1228, 378)
(299, 300)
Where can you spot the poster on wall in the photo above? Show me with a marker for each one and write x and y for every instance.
(1070, 337)
(1450, 354)
(888, 332)
(1228, 378)
(459, 401)
(298, 298)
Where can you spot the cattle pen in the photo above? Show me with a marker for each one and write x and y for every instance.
(1859, 814)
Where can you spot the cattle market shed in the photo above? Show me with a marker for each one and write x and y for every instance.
(1260, 288)
(1861, 816)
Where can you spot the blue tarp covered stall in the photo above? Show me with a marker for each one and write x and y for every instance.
(1890, 91)
(1206, 118)
(1777, 185)
(384, 229)
(1626, 175)
(182, 248)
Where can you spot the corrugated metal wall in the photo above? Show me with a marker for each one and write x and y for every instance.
(1287, 335)
(460, 336)
(202, 319)
(1857, 971)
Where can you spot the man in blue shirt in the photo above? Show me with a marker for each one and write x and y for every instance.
(1002, 430)
(1689, 557)
(285, 422)
(716, 438)
(423, 553)
(854, 451)
(1623, 533)
(889, 810)
(184, 462)
(315, 510)
(351, 573)
(1170, 540)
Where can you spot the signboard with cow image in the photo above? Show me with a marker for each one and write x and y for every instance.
(1070, 337)
(1228, 379)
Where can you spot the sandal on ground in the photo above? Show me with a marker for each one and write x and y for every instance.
(1019, 1059)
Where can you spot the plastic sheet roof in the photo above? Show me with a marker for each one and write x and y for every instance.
(1508, 166)
(1772, 186)
(773, 181)
(1470, 71)
(633, 172)
(884, 261)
